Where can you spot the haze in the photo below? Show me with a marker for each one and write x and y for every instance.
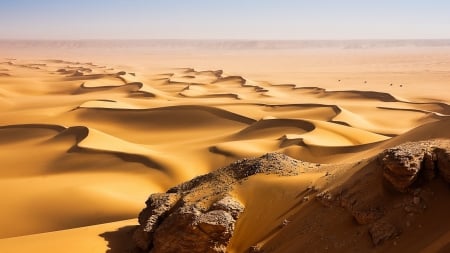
(233, 19)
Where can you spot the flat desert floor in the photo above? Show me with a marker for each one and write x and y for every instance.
(87, 133)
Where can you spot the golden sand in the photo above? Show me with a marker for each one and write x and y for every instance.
(85, 139)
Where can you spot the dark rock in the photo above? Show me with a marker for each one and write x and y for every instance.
(381, 231)
(367, 216)
(158, 206)
(401, 165)
(405, 164)
(443, 162)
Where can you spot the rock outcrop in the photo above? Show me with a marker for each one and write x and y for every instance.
(414, 161)
(200, 215)
(443, 161)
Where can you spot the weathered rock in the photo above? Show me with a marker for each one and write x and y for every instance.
(229, 205)
(158, 206)
(443, 162)
(401, 165)
(367, 216)
(189, 230)
(200, 215)
(381, 231)
(404, 164)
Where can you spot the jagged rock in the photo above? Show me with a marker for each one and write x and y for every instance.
(229, 205)
(158, 206)
(381, 231)
(200, 215)
(404, 164)
(443, 162)
(190, 230)
(401, 165)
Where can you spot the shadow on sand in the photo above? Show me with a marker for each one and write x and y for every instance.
(120, 241)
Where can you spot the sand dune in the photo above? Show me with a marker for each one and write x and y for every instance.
(83, 143)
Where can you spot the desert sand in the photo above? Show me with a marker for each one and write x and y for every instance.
(89, 131)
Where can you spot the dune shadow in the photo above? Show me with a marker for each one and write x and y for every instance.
(120, 240)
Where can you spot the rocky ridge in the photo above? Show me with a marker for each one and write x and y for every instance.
(200, 215)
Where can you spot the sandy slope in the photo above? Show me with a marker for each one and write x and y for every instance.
(83, 144)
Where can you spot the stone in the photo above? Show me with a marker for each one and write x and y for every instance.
(381, 231)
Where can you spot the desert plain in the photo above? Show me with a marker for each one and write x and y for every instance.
(89, 129)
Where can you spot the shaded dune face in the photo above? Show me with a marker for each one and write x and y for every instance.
(83, 144)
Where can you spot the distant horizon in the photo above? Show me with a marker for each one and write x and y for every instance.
(220, 39)
(224, 20)
(223, 44)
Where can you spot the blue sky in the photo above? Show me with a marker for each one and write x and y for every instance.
(226, 19)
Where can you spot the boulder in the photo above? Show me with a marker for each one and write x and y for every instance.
(200, 215)
(401, 164)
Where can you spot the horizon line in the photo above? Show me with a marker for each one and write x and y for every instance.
(225, 39)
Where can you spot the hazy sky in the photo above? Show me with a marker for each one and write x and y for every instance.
(225, 19)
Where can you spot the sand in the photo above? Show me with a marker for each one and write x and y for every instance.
(88, 132)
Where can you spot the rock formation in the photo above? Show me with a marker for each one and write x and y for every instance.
(404, 164)
(200, 215)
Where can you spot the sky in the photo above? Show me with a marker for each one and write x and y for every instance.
(225, 19)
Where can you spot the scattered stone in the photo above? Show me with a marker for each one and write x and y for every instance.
(326, 198)
(381, 231)
(285, 222)
(255, 249)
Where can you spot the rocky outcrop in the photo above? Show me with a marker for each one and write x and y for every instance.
(443, 161)
(200, 215)
(407, 163)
